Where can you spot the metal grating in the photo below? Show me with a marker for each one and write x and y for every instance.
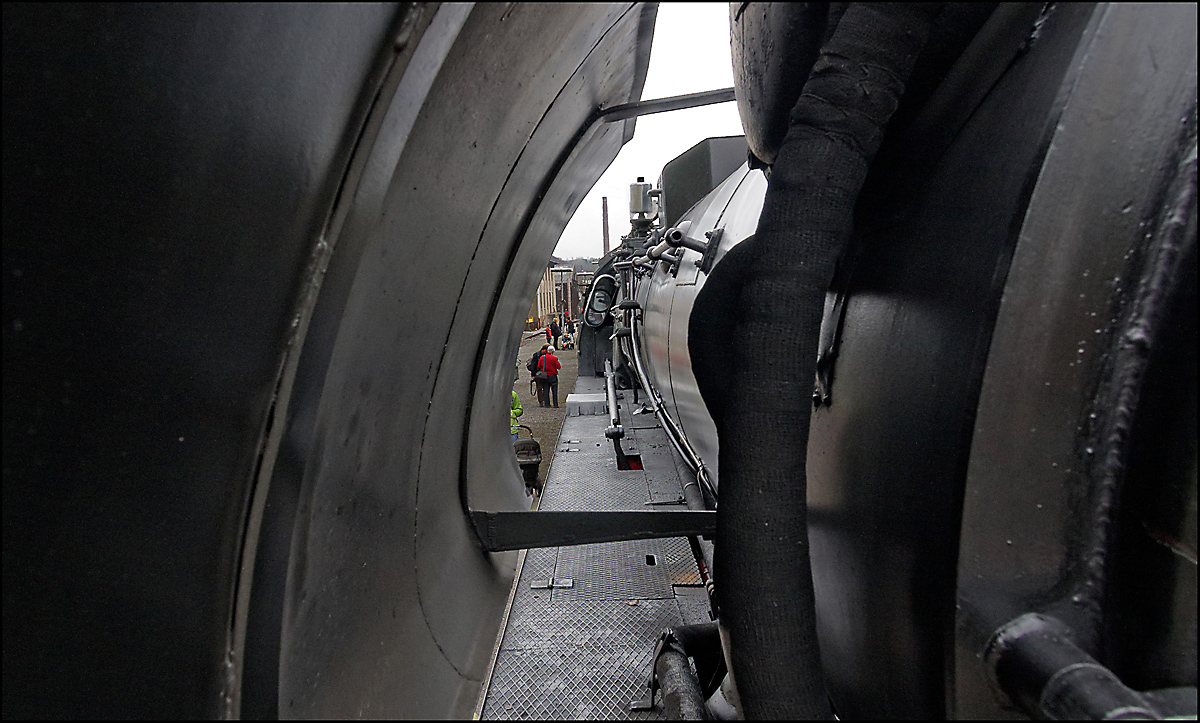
(621, 490)
(589, 480)
(612, 571)
(570, 683)
(590, 623)
(539, 564)
(620, 571)
(679, 567)
(583, 652)
(693, 605)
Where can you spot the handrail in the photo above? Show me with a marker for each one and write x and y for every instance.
(673, 433)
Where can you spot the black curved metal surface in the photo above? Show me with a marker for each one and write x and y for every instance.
(1045, 525)
(887, 458)
(265, 268)
(1027, 141)
(167, 171)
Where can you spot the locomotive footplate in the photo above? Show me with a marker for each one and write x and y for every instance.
(582, 621)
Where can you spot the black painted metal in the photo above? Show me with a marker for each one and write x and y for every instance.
(662, 105)
(1059, 513)
(887, 458)
(1034, 661)
(263, 283)
(263, 269)
(946, 204)
(169, 172)
(501, 531)
(689, 177)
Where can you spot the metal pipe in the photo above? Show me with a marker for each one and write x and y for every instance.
(610, 385)
(673, 432)
(1033, 661)
(676, 237)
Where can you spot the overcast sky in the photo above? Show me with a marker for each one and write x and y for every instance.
(690, 54)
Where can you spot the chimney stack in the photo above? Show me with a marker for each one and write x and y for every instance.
(604, 209)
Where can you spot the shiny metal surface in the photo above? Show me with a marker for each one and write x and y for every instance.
(667, 302)
(1026, 542)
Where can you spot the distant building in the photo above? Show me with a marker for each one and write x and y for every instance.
(583, 279)
(585, 269)
(560, 291)
(545, 301)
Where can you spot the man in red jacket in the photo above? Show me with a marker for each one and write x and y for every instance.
(550, 364)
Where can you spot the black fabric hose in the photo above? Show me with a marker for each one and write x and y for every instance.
(681, 696)
(753, 342)
(684, 691)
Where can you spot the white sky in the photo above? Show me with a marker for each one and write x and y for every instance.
(690, 54)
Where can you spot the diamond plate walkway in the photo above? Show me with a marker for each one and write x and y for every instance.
(582, 622)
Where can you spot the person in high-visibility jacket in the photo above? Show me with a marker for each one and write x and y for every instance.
(517, 411)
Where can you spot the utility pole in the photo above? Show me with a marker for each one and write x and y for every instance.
(604, 209)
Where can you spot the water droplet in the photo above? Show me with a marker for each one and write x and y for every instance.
(1039, 506)
(1092, 415)
(1008, 542)
(1097, 331)
(1052, 464)
(1047, 383)
(1089, 450)
(18, 325)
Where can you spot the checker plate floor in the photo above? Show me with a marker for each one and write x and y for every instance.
(583, 652)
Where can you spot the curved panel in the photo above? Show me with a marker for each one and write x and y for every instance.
(886, 460)
(744, 192)
(168, 173)
(667, 302)
(390, 601)
(257, 252)
(1037, 436)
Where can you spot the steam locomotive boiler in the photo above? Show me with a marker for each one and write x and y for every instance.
(928, 355)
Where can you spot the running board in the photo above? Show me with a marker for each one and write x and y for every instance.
(500, 531)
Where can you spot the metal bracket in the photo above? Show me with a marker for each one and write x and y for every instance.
(560, 583)
(705, 263)
(832, 321)
(499, 531)
(660, 105)
(647, 703)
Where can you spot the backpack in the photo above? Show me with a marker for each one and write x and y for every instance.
(531, 365)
